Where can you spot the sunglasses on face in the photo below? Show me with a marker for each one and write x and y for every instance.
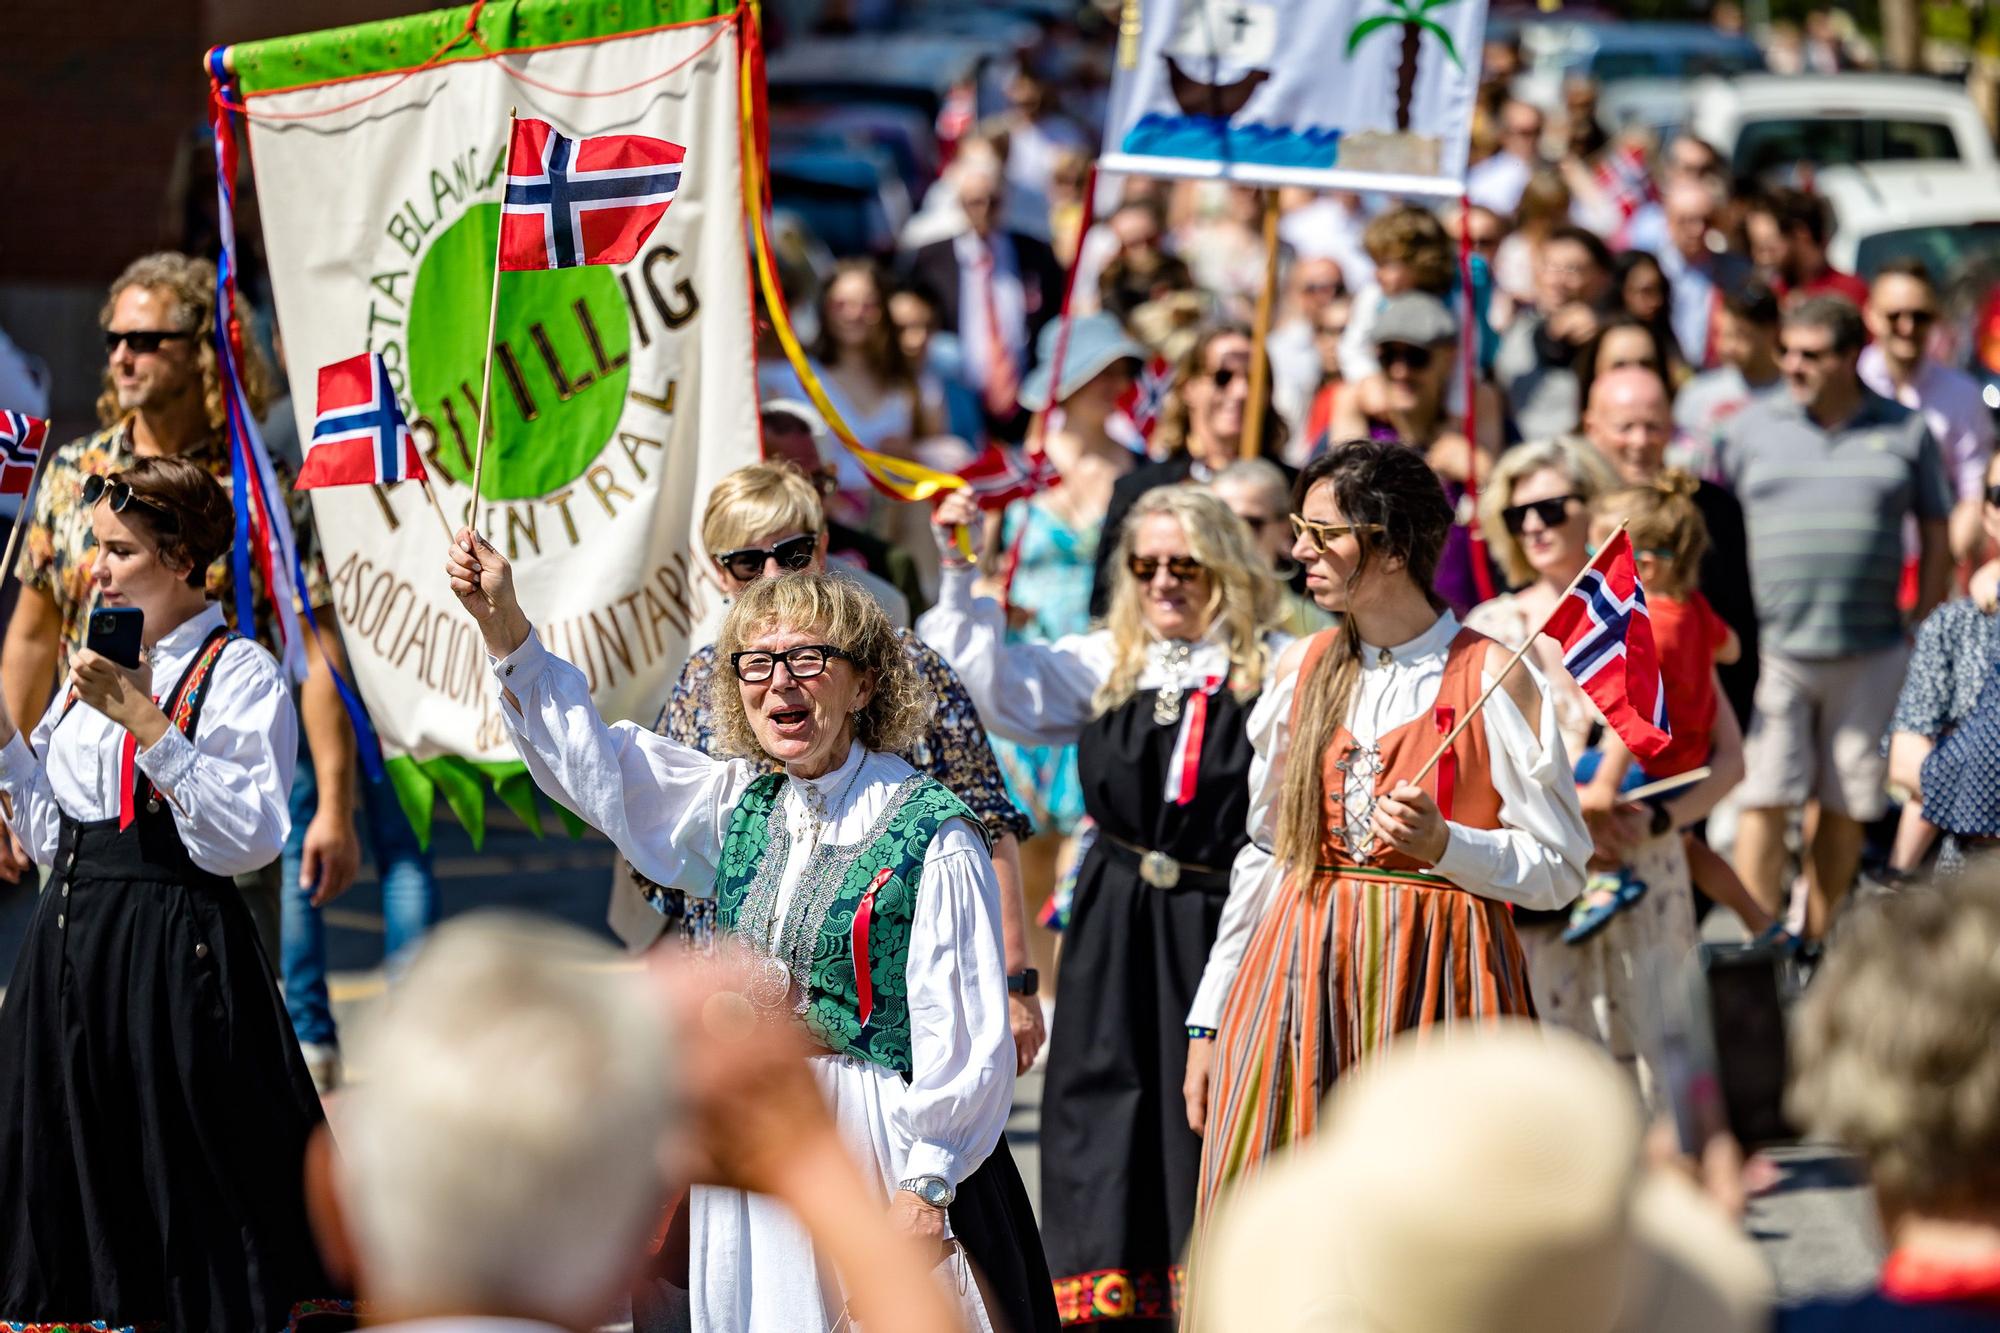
(1224, 377)
(1553, 512)
(1180, 568)
(1993, 496)
(120, 495)
(792, 554)
(1324, 535)
(1403, 354)
(1917, 319)
(755, 666)
(141, 341)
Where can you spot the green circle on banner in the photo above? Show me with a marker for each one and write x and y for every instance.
(561, 348)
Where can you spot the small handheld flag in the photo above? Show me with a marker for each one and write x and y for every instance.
(1147, 396)
(359, 437)
(21, 441)
(1607, 639)
(582, 201)
(999, 477)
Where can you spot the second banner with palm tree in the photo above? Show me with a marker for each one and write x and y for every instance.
(1328, 94)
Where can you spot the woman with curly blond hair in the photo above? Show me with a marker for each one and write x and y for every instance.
(867, 892)
(1155, 701)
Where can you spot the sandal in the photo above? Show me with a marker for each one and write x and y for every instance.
(1604, 896)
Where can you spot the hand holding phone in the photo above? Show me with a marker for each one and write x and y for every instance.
(116, 633)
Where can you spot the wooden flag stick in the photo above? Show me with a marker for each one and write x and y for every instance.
(1260, 335)
(22, 516)
(1512, 662)
(492, 326)
(438, 509)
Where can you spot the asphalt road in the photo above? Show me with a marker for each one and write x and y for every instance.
(1816, 1227)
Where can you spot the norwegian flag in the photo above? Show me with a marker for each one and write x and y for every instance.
(1607, 640)
(21, 441)
(359, 437)
(998, 477)
(1142, 403)
(583, 201)
(1622, 176)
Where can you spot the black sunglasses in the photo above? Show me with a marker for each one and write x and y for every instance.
(792, 554)
(1224, 377)
(1180, 568)
(1403, 354)
(755, 666)
(141, 341)
(121, 497)
(1918, 319)
(1993, 496)
(1554, 512)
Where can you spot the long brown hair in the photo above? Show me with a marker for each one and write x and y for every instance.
(1386, 485)
(1171, 435)
(883, 352)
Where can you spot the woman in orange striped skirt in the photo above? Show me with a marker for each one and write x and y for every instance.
(1369, 904)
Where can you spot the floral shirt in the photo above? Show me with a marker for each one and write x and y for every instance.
(1952, 660)
(955, 751)
(61, 548)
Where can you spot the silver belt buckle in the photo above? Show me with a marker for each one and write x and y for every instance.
(1159, 870)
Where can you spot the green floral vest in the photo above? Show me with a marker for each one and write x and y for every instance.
(817, 939)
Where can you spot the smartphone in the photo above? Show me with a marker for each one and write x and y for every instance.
(116, 632)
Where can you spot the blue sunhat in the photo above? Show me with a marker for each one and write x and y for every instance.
(1096, 342)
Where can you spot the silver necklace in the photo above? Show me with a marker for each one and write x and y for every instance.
(770, 985)
(1167, 704)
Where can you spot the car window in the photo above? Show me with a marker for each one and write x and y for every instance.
(1772, 145)
(1944, 250)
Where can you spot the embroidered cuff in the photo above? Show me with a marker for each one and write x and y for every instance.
(168, 761)
(519, 670)
(931, 1159)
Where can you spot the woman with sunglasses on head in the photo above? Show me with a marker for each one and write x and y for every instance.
(864, 892)
(1368, 901)
(1156, 701)
(157, 1106)
(765, 521)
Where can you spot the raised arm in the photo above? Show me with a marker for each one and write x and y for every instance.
(1036, 694)
(664, 805)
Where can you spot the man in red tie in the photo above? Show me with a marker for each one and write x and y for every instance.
(995, 288)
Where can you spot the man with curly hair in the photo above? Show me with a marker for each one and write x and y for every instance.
(163, 397)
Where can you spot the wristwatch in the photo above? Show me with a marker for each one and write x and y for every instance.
(1025, 982)
(935, 1191)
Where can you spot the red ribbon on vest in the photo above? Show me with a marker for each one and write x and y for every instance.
(128, 757)
(1447, 767)
(864, 916)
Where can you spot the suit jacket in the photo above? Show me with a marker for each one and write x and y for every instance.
(935, 268)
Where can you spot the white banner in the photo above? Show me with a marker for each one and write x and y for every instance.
(1328, 94)
(620, 394)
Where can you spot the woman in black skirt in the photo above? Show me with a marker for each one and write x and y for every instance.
(154, 1107)
(1156, 701)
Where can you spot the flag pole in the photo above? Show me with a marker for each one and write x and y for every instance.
(1260, 335)
(492, 325)
(437, 508)
(22, 515)
(1512, 662)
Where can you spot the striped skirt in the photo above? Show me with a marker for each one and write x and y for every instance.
(1330, 977)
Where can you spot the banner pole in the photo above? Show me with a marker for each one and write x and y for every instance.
(437, 508)
(1512, 662)
(492, 325)
(21, 515)
(1260, 335)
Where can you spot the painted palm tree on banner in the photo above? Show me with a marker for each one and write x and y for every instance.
(1411, 16)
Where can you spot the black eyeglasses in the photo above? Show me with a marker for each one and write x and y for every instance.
(1180, 568)
(792, 554)
(120, 495)
(755, 666)
(1404, 354)
(141, 341)
(1554, 512)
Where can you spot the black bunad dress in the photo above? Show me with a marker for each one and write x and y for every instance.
(156, 1106)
